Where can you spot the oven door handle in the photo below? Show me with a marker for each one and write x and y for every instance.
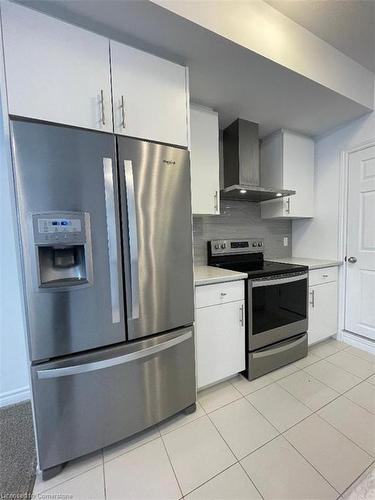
(278, 281)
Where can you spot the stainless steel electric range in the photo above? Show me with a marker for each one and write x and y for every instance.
(276, 303)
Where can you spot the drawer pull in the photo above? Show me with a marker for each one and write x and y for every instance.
(325, 275)
(223, 294)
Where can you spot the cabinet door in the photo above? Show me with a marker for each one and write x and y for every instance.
(298, 174)
(149, 96)
(220, 340)
(322, 311)
(205, 183)
(55, 72)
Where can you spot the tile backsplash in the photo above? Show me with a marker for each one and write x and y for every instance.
(240, 219)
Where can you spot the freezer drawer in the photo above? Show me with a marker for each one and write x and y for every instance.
(275, 356)
(86, 402)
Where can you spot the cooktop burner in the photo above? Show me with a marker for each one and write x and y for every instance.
(246, 256)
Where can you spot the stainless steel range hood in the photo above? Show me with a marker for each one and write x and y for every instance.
(241, 165)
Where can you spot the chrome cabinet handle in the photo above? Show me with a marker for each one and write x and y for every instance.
(107, 363)
(352, 260)
(133, 237)
(122, 112)
(112, 238)
(223, 294)
(312, 302)
(287, 210)
(216, 202)
(102, 106)
(242, 315)
(325, 275)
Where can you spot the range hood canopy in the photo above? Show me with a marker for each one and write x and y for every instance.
(241, 165)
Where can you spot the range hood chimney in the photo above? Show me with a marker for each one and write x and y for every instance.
(241, 165)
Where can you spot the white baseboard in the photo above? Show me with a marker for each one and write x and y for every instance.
(12, 397)
(358, 341)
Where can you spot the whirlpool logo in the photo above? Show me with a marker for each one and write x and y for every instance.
(169, 162)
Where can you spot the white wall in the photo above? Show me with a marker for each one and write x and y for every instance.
(318, 237)
(262, 29)
(14, 381)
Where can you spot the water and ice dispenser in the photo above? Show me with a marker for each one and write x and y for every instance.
(63, 249)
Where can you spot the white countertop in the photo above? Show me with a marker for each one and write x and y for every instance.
(207, 275)
(310, 263)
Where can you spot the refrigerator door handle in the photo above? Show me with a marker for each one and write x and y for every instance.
(112, 238)
(107, 363)
(133, 238)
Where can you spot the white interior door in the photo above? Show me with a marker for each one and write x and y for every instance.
(360, 290)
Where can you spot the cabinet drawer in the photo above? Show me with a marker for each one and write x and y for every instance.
(219, 293)
(325, 275)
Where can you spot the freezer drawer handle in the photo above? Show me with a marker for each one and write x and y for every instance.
(112, 238)
(107, 363)
(133, 238)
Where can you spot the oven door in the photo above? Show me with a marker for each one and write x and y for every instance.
(277, 308)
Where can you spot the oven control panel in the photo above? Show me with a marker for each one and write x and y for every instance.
(223, 247)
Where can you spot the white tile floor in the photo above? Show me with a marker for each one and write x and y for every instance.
(306, 431)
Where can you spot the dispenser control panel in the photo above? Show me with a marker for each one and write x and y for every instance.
(62, 228)
(59, 225)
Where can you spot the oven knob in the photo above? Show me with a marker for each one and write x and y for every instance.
(254, 244)
(217, 246)
(223, 245)
(260, 244)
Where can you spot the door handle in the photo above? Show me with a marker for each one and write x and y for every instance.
(242, 315)
(107, 363)
(216, 202)
(133, 237)
(102, 106)
(312, 303)
(110, 210)
(352, 260)
(122, 112)
(287, 210)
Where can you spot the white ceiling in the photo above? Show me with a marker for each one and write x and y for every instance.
(348, 25)
(234, 81)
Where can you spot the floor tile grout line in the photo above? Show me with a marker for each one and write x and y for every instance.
(252, 482)
(351, 484)
(182, 425)
(171, 464)
(67, 479)
(345, 369)
(325, 385)
(312, 465)
(357, 404)
(237, 459)
(358, 356)
(347, 437)
(132, 449)
(210, 479)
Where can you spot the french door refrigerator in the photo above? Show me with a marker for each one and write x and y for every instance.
(105, 226)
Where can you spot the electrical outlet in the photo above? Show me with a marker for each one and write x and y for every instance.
(285, 241)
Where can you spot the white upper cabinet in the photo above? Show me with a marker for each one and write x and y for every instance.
(149, 96)
(205, 183)
(287, 162)
(55, 72)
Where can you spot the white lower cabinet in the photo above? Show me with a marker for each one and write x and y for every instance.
(322, 307)
(220, 334)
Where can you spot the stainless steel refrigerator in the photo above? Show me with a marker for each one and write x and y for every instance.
(105, 226)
